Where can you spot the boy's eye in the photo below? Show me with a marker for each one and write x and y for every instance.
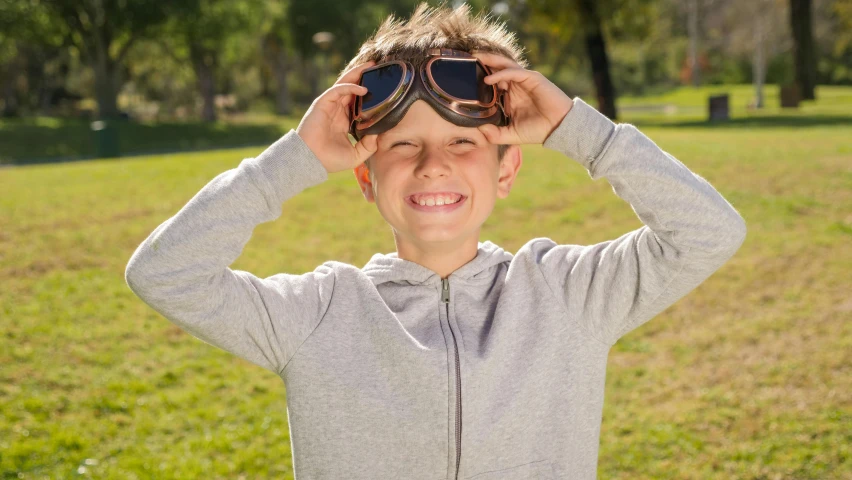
(461, 140)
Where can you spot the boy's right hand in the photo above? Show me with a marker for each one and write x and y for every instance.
(325, 126)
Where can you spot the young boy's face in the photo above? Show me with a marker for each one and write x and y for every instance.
(425, 153)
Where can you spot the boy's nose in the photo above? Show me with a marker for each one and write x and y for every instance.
(433, 164)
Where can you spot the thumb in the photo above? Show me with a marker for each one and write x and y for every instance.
(366, 147)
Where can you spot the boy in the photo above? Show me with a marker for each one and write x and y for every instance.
(450, 358)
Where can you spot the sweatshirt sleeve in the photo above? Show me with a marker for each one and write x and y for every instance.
(182, 269)
(689, 230)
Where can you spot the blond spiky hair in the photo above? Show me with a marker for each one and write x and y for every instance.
(439, 27)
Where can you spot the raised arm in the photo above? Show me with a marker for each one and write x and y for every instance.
(182, 269)
(690, 230)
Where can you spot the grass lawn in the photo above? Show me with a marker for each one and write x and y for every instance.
(749, 376)
(46, 139)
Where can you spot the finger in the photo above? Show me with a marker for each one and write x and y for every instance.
(517, 75)
(353, 74)
(347, 99)
(340, 91)
(496, 60)
(498, 135)
(355, 71)
(366, 147)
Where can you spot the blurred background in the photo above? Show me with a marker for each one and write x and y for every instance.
(115, 113)
(206, 73)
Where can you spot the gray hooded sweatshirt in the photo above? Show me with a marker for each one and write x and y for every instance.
(391, 372)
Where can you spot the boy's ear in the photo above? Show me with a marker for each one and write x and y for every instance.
(509, 167)
(362, 174)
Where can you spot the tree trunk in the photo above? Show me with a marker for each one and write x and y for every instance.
(282, 89)
(107, 75)
(694, 70)
(312, 76)
(10, 86)
(596, 48)
(204, 63)
(105, 91)
(803, 47)
(759, 60)
(561, 55)
(106, 81)
(275, 55)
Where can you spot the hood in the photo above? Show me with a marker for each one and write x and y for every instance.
(388, 267)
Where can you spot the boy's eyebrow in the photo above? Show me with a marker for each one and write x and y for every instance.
(405, 137)
(399, 135)
(419, 132)
(402, 130)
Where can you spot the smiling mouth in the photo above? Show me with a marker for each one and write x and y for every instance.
(444, 207)
(449, 199)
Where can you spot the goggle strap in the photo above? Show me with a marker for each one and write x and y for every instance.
(500, 104)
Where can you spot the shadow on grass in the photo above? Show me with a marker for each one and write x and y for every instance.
(48, 140)
(778, 121)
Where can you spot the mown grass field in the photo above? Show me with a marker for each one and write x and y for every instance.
(47, 139)
(749, 376)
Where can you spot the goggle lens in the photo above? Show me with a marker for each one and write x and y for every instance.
(380, 84)
(462, 80)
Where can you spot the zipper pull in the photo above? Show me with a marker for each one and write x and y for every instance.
(445, 290)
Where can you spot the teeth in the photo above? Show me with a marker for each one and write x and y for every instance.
(439, 200)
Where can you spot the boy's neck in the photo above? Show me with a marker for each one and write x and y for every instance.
(442, 258)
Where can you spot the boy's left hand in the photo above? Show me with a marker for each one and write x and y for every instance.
(535, 105)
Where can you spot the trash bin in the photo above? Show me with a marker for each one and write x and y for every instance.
(790, 96)
(106, 139)
(718, 106)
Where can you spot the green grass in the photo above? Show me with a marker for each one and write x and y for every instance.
(688, 106)
(46, 139)
(749, 376)
(829, 97)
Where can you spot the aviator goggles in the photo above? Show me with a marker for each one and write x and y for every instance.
(449, 80)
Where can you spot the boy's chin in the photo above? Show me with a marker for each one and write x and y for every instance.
(436, 235)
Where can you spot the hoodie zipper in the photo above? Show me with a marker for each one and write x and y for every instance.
(445, 297)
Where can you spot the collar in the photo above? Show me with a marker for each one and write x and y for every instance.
(388, 267)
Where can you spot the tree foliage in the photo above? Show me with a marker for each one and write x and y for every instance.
(104, 31)
(194, 56)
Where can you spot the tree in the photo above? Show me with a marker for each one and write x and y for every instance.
(276, 45)
(694, 70)
(104, 31)
(755, 29)
(803, 50)
(27, 40)
(350, 21)
(596, 48)
(839, 46)
(584, 16)
(199, 35)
